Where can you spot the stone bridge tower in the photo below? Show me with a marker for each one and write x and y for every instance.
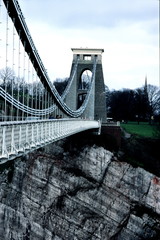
(96, 108)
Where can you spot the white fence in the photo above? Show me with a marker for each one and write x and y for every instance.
(16, 138)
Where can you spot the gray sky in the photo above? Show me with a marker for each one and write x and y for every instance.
(128, 31)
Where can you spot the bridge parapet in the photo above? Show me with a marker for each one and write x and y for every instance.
(25, 136)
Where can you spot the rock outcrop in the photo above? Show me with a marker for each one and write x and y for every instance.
(51, 194)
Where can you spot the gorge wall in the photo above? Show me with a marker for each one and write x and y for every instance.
(64, 193)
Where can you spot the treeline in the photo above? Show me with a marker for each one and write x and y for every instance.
(10, 82)
(141, 104)
(60, 84)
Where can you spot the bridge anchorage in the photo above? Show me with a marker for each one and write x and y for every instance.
(32, 112)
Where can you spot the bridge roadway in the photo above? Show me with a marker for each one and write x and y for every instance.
(18, 138)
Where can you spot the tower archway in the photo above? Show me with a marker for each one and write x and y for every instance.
(83, 86)
(85, 79)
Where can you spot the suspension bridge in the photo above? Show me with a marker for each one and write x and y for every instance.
(32, 112)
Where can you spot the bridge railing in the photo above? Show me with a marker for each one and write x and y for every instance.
(16, 138)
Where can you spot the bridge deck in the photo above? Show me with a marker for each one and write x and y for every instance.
(16, 138)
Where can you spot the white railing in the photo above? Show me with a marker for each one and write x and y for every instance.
(16, 138)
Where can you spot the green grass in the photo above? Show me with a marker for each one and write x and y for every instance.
(143, 129)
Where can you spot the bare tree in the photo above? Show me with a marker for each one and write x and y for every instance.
(7, 76)
(154, 99)
(60, 84)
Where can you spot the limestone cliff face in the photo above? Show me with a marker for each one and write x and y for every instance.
(91, 195)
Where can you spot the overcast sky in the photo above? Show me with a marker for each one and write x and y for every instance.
(128, 31)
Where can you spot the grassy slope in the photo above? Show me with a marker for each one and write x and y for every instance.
(142, 148)
(142, 129)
